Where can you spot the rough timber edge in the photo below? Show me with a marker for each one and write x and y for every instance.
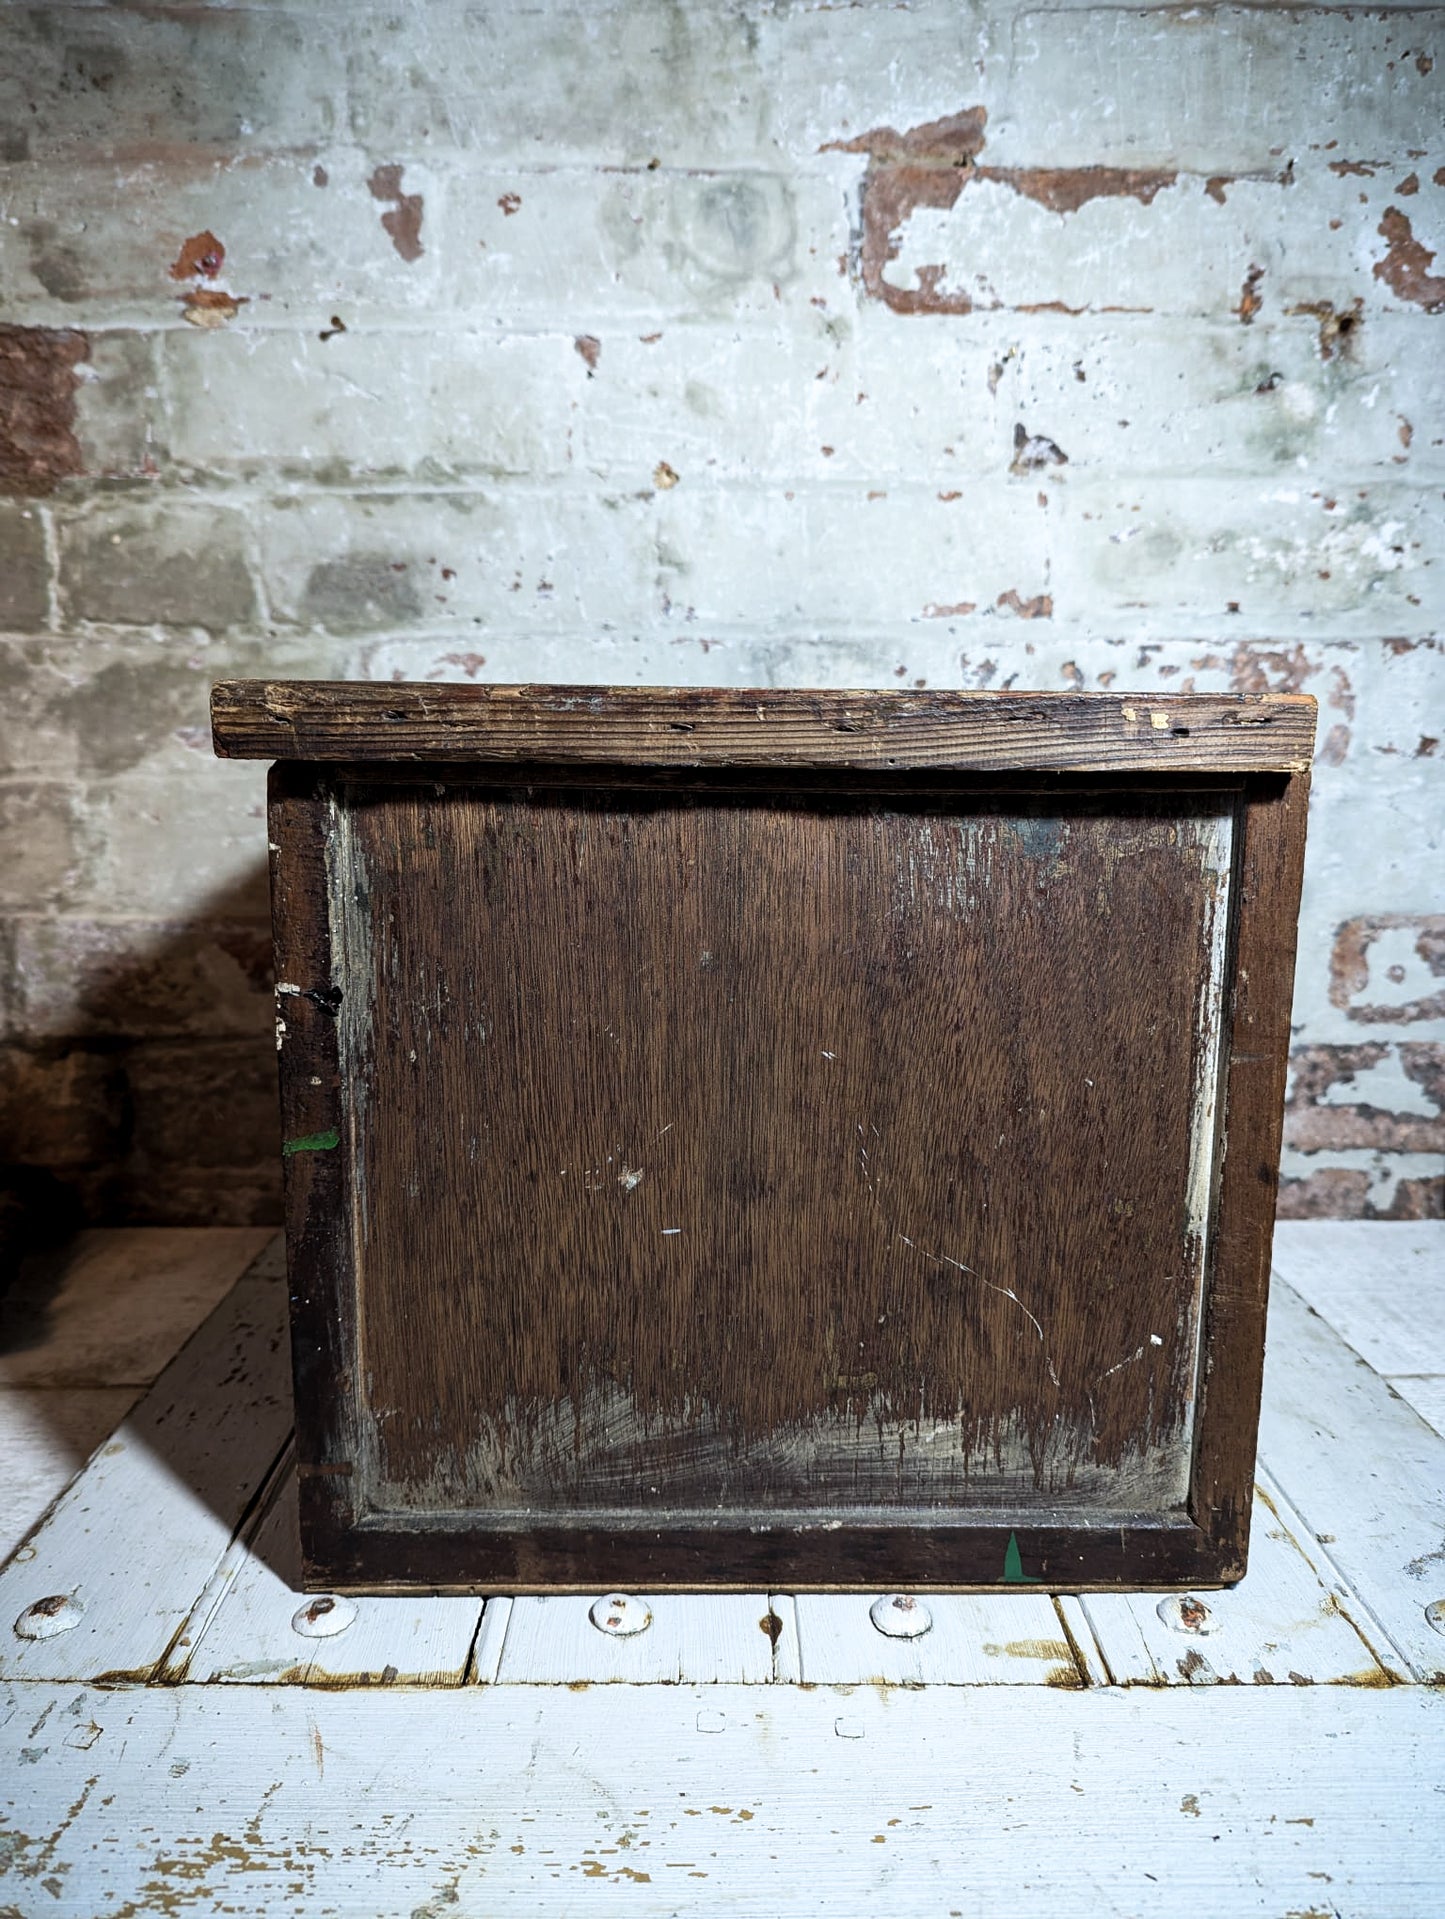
(877, 731)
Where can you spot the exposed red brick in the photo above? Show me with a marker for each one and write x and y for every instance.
(1410, 184)
(891, 195)
(929, 166)
(200, 257)
(935, 612)
(1334, 1192)
(1261, 669)
(209, 307)
(1334, 749)
(1350, 966)
(590, 348)
(1338, 1192)
(1039, 608)
(1313, 1125)
(1066, 189)
(954, 141)
(38, 447)
(1405, 268)
(403, 223)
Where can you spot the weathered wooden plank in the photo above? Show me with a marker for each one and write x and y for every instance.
(1426, 1394)
(487, 1651)
(1279, 1626)
(685, 726)
(787, 1659)
(243, 1631)
(112, 1306)
(975, 1639)
(1250, 1112)
(1379, 1283)
(707, 1639)
(511, 1800)
(46, 1435)
(1364, 1471)
(137, 1536)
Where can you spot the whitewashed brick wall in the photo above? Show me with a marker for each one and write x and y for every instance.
(924, 344)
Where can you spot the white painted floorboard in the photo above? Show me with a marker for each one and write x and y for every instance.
(242, 1631)
(137, 1536)
(870, 1803)
(1364, 1471)
(707, 1639)
(976, 1639)
(1031, 1754)
(1281, 1625)
(1379, 1283)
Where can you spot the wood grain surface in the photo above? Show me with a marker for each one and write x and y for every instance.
(838, 1153)
(779, 1154)
(771, 727)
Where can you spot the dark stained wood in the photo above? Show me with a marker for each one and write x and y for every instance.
(730, 1116)
(1270, 863)
(316, 1166)
(697, 1188)
(686, 726)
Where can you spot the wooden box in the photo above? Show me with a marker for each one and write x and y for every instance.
(768, 1139)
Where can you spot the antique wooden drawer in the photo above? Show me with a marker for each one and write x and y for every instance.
(751, 1140)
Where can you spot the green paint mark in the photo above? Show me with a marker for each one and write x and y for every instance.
(323, 1143)
(1013, 1566)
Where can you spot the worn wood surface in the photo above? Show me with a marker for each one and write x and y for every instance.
(242, 1629)
(1245, 1169)
(678, 1799)
(671, 1173)
(137, 1535)
(688, 726)
(1364, 1471)
(1316, 1604)
(1126, 1790)
(728, 1120)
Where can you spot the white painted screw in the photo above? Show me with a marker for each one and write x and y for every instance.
(620, 1616)
(323, 1618)
(1187, 1614)
(1435, 1614)
(48, 1618)
(900, 1616)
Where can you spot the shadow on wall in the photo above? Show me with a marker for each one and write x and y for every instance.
(143, 1088)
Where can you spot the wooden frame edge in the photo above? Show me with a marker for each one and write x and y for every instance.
(764, 727)
(1270, 872)
(314, 1164)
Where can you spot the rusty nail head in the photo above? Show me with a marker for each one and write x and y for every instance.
(620, 1616)
(1185, 1613)
(48, 1618)
(323, 1617)
(1435, 1614)
(900, 1616)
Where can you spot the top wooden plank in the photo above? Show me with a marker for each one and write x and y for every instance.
(728, 727)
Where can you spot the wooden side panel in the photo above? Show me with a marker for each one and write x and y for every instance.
(318, 1176)
(716, 1157)
(1270, 866)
